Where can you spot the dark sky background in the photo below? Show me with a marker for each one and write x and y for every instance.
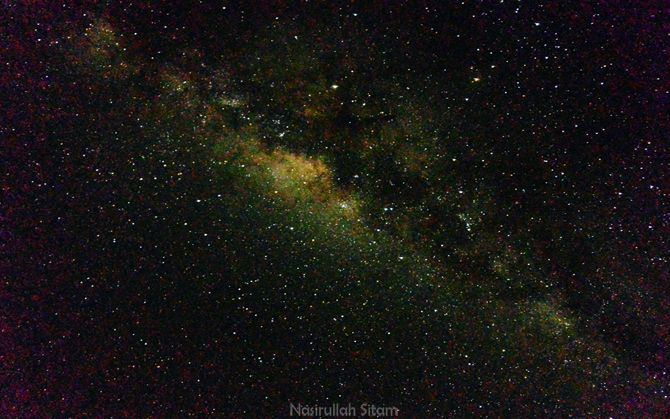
(221, 208)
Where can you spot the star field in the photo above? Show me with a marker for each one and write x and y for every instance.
(454, 208)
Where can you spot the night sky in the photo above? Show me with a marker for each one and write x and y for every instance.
(458, 209)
